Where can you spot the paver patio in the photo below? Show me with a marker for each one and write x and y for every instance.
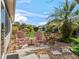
(43, 53)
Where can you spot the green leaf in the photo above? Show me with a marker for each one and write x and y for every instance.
(72, 6)
(65, 7)
(77, 12)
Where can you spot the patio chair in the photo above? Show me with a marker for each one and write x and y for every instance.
(20, 37)
(38, 38)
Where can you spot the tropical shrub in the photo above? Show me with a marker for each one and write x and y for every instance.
(22, 26)
(14, 29)
(66, 31)
(35, 28)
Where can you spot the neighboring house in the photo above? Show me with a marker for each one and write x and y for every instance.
(7, 16)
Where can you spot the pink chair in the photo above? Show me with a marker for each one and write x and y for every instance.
(20, 38)
(38, 37)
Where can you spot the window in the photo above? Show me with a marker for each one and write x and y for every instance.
(2, 27)
(5, 26)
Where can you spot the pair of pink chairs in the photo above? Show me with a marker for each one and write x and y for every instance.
(21, 39)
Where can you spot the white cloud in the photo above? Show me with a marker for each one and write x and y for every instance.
(20, 18)
(24, 1)
(31, 14)
(42, 23)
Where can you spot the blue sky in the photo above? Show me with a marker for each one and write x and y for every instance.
(35, 12)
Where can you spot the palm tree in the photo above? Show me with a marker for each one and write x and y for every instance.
(67, 25)
(66, 14)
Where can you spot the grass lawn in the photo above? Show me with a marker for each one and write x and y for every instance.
(31, 34)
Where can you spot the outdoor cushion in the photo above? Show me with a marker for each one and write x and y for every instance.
(13, 56)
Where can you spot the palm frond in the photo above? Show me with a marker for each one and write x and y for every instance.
(72, 6)
(77, 12)
(65, 7)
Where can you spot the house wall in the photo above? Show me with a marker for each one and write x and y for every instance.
(7, 40)
(1, 2)
(0, 29)
(8, 17)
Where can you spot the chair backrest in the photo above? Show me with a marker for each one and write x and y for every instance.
(20, 34)
(38, 37)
